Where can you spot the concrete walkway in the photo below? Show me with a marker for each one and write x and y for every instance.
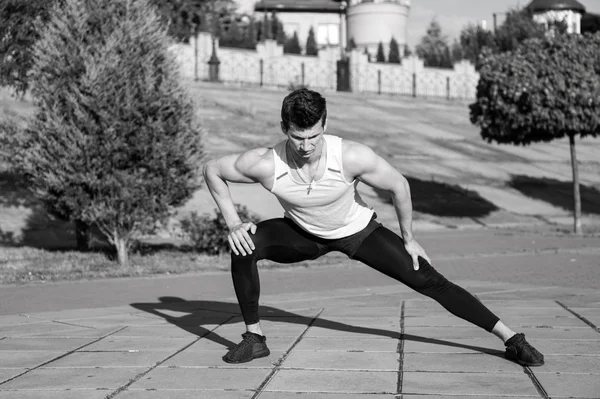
(334, 332)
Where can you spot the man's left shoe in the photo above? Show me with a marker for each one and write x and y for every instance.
(253, 346)
(520, 351)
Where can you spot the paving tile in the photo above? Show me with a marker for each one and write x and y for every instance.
(568, 347)
(199, 378)
(10, 320)
(116, 343)
(347, 344)
(591, 314)
(163, 331)
(360, 311)
(308, 395)
(184, 394)
(333, 381)
(28, 329)
(468, 331)
(74, 378)
(5, 374)
(342, 360)
(570, 385)
(469, 397)
(117, 321)
(419, 344)
(111, 359)
(565, 364)
(75, 332)
(26, 359)
(326, 329)
(459, 362)
(81, 313)
(36, 344)
(465, 384)
(213, 358)
(53, 394)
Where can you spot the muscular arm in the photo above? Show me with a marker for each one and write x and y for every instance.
(249, 167)
(363, 163)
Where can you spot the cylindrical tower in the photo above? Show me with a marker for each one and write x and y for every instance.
(372, 21)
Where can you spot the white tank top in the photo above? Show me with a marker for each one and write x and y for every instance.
(333, 209)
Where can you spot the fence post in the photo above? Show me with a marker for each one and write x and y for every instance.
(414, 84)
(302, 73)
(379, 81)
(261, 71)
(448, 87)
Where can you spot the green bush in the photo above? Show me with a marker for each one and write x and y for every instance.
(208, 234)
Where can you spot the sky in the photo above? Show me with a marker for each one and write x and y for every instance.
(454, 15)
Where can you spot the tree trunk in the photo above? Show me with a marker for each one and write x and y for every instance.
(576, 195)
(122, 250)
(82, 235)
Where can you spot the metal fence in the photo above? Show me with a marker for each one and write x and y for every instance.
(295, 71)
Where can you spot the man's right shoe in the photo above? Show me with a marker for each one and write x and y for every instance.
(520, 351)
(253, 346)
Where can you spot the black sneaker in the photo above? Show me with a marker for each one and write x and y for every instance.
(253, 346)
(520, 351)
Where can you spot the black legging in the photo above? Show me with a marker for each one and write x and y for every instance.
(282, 241)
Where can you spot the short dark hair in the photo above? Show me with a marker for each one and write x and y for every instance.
(304, 108)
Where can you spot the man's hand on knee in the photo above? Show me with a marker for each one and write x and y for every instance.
(239, 239)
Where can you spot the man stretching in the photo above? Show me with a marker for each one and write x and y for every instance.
(314, 177)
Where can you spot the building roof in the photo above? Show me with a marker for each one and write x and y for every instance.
(551, 5)
(327, 6)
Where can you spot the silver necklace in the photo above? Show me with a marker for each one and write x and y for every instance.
(305, 178)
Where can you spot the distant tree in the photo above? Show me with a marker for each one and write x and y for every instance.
(407, 51)
(473, 39)
(20, 24)
(183, 18)
(112, 141)
(456, 51)
(380, 57)
(394, 55)
(250, 35)
(277, 30)
(311, 43)
(433, 48)
(266, 31)
(351, 44)
(517, 27)
(547, 89)
(590, 23)
(233, 36)
(292, 45)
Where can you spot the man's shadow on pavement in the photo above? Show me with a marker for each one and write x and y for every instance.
(213, 313)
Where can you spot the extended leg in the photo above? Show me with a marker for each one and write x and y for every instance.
(384, 251)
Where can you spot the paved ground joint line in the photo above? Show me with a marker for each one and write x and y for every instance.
(143, 373)
(63, 355)
(277, 365)
(401, 351)
(580, 317)
(72, 324)
(536, 383)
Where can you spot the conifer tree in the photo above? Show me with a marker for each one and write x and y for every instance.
(265, 30)
(311, 43)
(380, 57)
(394, 55)
(112, 141)
(292, 45)
(250, 36)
